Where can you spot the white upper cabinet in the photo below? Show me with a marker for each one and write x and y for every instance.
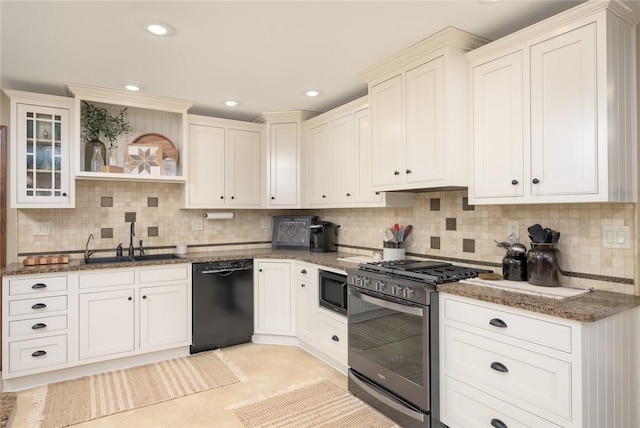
(418, 105)
(40, 150)
(338, 160)
(158, 124)
(285, 158)
(554, 110)
(226, 164)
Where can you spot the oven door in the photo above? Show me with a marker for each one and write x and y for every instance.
(389, 344)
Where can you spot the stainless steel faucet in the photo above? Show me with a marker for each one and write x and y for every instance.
(88, 253)
(131, 235)
(141, 248)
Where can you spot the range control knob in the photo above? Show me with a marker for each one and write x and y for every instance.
(380, 285)
(408, 292)
(356, 280)
(396, 290)
(366, 282)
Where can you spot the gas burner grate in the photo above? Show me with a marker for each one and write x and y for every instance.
(427, 272)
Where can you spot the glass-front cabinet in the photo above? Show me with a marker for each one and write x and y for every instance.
(40, 151)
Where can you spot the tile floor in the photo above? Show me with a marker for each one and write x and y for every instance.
(269, 368)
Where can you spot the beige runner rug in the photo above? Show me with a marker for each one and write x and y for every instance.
(78, 400)
(320, 404)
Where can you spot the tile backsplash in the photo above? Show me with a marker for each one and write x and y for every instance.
(445, 226)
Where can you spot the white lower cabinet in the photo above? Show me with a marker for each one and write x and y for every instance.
(106, 323)
(273, 298)
(507, 367)
(164, 315)
(306, 301)
(332, 336)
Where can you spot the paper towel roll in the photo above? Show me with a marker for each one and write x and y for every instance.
(218, 216)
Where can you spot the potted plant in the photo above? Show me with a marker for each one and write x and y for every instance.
(97, 121)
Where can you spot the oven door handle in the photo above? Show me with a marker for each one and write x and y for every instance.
(411, 310)
(395, 405)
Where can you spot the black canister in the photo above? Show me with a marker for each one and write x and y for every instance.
(514, 266)
(542, 265)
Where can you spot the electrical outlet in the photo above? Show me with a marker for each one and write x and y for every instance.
(41, 228)
(513, 231)
(266, 223)
(616, 237)
(197, 224)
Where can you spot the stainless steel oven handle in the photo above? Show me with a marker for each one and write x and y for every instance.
(388, 401)
(411, 310)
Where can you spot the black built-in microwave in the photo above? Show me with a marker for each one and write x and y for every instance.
(333, 291)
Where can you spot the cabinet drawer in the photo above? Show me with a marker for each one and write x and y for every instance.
(306, 272)
(164, 274)
(540, 332)
(106, 279)
(39, 305)
(465, 406)
(37, 325)
(36, 285)
(332, 337)
(521, 376)
(37, 353)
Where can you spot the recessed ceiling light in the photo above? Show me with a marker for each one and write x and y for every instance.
(132, 88)
(158, 29)
(231, 103)
(312, 93)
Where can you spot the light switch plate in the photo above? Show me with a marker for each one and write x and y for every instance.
(616, 237)
(197, 224)
(41, 228)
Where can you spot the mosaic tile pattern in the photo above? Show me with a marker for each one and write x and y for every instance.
(582, 255)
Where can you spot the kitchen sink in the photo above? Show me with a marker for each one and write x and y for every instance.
(123, 259)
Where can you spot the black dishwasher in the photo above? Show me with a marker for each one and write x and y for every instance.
(222, 304)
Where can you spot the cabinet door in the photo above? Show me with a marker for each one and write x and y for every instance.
(284, 153)
(164, 316)
(244, 168)
(306, 295)
(319, 166)
(107, 324)
(498, 133)
(564, 158)
(273, 302)
(425, 146)
(342, 158)
(362, 137)
(388, 149)
(206, 166)
(43, 175)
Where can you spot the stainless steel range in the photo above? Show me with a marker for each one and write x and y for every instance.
(393, 336)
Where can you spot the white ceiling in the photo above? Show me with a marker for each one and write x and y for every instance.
(264, 54)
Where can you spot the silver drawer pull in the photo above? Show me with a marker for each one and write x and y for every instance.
(39, 286)
(38, 326)
(38, 306)
(497, 423)
(499, 367)
(335, 338)
(39, 353)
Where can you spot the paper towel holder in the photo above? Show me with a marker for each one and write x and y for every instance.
(218, 215)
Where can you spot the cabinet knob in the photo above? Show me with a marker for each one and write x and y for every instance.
(39, 353)
(348, 195)
(303, 271)
(233, 197)
(497, 322)
(535, 181)
(408, 171)
(129, 298)
(259, 270)
(38, 286)
(514, 182)
(497, 423)
(377, 193)
(303, 285)
(144, 297)
(335, 338)
(396, 172)
(273, 197)
(221, 197)
(38, 326)
(38, 306)
(64, 193)
(324, 196)
(499, 367)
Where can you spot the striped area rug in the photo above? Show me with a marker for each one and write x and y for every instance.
(320, 404)
(78, 400)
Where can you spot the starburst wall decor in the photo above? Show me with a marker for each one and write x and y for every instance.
(144, 160)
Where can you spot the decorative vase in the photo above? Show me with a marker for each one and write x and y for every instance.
(542, 265)
(97, 161)
(112, 156)
(89, 150)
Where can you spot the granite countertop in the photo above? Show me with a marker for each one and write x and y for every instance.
(588, 307)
